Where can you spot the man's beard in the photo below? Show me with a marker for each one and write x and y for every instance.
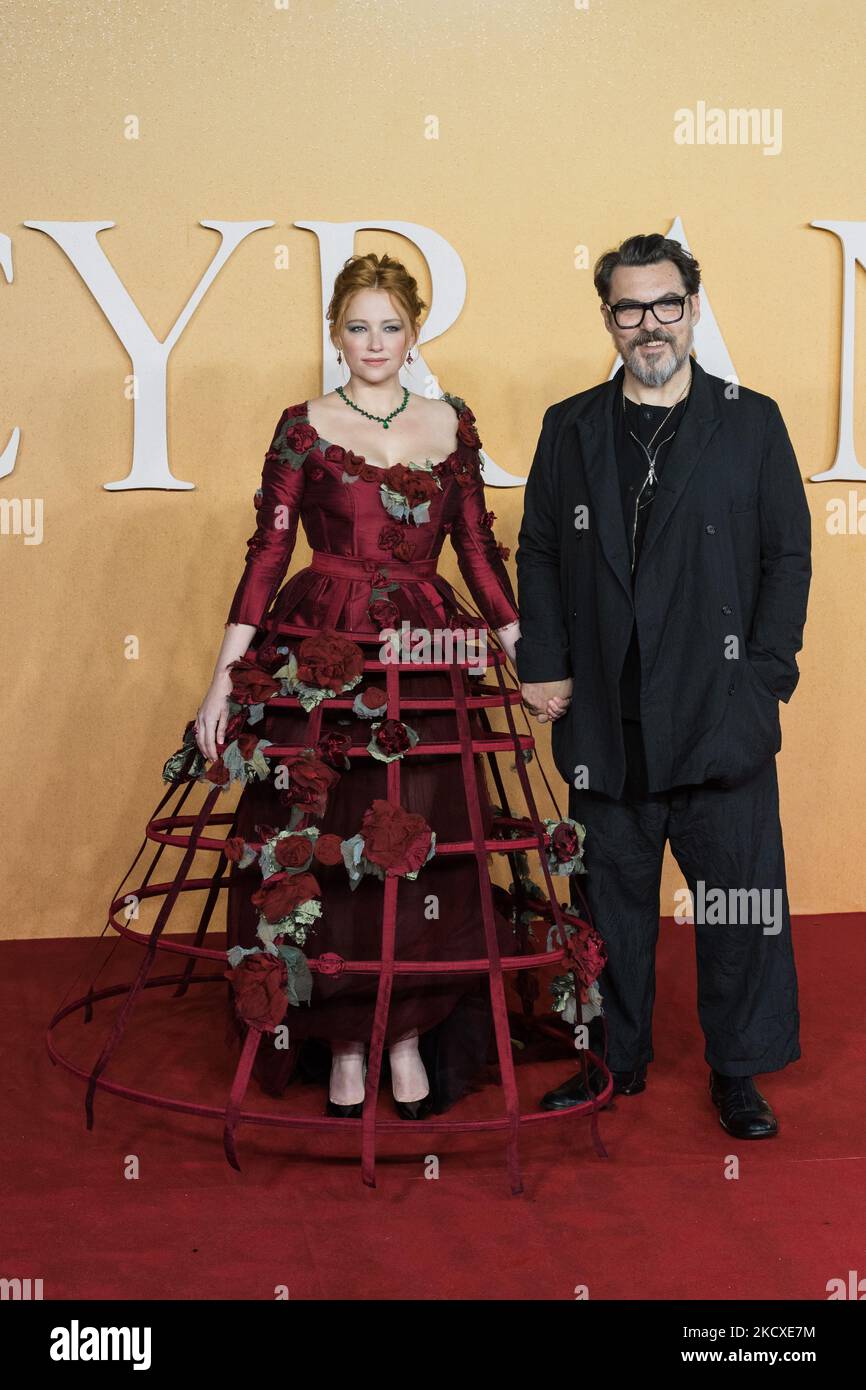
(651, 373)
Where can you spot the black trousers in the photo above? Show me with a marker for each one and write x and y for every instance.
(723, 838)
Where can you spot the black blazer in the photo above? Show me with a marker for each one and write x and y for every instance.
(720, 597)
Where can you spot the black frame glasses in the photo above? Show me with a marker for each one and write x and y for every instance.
(631, 306)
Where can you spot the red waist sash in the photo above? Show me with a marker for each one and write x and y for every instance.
(354, 567)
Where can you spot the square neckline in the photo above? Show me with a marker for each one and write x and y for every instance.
(331, 444)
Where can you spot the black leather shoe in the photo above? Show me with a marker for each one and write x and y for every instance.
(743, 1111)
(574, 1092)
(414, 1109)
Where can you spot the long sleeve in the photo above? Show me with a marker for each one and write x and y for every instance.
(269, 549)
(543, 652)
(786, 565)
(478, 557)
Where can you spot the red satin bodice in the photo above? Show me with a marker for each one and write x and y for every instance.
(338, 498)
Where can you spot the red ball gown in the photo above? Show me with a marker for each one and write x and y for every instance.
(371, 572)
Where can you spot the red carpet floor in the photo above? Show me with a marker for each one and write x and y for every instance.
(658, 1219)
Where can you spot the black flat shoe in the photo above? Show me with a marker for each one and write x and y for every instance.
(574, 1092)
(743, 1111)
(414, 1109)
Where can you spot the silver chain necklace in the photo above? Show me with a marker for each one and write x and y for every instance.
(651, 478)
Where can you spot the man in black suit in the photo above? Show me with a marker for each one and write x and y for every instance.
(663, 569)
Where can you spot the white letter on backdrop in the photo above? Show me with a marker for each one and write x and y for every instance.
(149, 356)
(845, 465)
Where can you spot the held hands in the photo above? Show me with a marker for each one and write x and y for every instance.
(547, 700)
(212, 715)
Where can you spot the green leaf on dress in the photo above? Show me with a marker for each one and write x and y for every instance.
(300, 977)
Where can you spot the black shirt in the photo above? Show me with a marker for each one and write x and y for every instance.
(633, 466)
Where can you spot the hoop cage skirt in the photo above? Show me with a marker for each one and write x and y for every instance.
(381, 963)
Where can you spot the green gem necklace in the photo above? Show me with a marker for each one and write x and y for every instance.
(383, 420)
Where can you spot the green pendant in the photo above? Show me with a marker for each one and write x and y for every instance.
(385, 425)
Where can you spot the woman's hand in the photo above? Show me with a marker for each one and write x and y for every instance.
(509, 636)
(212, 715)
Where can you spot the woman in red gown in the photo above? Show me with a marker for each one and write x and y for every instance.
(379, 477)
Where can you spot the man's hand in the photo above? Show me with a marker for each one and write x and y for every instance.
(547, 700)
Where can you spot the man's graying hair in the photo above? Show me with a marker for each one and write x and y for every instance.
(646, 250)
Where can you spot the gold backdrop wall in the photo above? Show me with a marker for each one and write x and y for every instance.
(555, 130)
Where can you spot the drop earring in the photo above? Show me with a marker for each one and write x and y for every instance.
(339, 357)
(409, 358)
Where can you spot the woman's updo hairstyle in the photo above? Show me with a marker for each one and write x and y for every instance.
(372, 272)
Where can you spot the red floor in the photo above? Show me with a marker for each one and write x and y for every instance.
(657, 1219)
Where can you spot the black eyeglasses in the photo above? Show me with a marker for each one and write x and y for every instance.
(630, 313)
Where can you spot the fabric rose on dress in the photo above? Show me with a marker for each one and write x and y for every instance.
(244, 758)
(293, 851)
(391, 739)
(408, 491)
(330, 661)
(217, 773)
(565, 846)
(333, 747)
(281, 894)
(585, 958)
(251, 685)
(370, 703)
(391, 840)
(327, 850)
(325, 665)
(235, 725)
(395, 839)
(260, 985)
(313, 464)
(469, 473)
(383, 612)
(417, 485)
(353, 466)
(587, 953)
(289, 904)
(269, 657)
(391, 538)
(247, 744)
(303, 780)
(466, 431)
(301, 437)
